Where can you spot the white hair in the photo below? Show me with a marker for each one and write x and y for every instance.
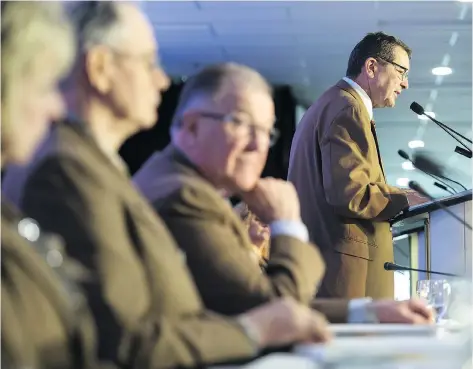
(31, 31)
(96, 22)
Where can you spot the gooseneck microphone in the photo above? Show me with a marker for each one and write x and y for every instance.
(419, 110)
(444, 186)
(393, 266)
(428, 165)
(417, 187)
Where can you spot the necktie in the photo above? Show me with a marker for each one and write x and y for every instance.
(373, 131)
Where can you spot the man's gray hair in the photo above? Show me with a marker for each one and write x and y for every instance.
(95, 22)
(36, 35)
(209, 82)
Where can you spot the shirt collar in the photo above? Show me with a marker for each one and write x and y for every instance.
(116, 160)
(364, 96)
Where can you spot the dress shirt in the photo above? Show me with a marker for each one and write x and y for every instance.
(358, 312)
(293, 228)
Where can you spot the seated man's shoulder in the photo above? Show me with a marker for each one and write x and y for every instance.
(62, 146)
(61, 163)
(184, 193)
(61, 172)
(71, 150)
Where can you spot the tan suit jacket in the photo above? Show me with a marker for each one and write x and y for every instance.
(216, 243)
(45, 318)
(336, 168)
(148, 311)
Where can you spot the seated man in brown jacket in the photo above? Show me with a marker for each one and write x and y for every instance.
(146, 306)
(221, 133)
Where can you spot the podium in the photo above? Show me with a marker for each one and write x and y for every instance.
(427, 237)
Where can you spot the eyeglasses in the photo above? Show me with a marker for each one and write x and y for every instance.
(245, 128)
(150, 62)
(403, 73)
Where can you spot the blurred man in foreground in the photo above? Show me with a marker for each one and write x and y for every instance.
(46, 322)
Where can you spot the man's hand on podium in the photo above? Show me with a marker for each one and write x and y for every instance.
(412, 311)
(415, 198)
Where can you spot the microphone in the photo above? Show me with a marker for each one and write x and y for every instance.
(462, 151)
(393, 266)
(427, 165)
(417, 187)
(419, 110)
(442, 186)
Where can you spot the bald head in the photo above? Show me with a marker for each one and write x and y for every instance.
(214, 83)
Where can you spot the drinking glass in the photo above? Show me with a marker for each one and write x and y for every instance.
(436, 293)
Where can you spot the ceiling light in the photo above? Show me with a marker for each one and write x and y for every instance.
(442, 71)
(415, 144)
(403, 182)
(423, 117)
(407, 165)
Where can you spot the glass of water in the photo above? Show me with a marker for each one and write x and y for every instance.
(436, 293)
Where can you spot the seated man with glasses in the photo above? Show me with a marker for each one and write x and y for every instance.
(221, 134)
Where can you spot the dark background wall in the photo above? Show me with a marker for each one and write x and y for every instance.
(138, 148)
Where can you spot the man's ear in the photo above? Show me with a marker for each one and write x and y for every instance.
(99, 66)
(189, 122)
(371, 67)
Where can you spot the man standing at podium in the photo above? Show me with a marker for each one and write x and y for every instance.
(336, 168)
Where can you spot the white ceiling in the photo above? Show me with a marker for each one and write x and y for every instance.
(306, 44)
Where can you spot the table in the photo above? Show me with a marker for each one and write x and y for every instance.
(379, 346)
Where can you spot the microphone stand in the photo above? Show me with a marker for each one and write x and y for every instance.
(394, 267)
(447, 128)
(442, 185)
(417, 187)
(418, 109)
(459, 150)
(427, 166)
